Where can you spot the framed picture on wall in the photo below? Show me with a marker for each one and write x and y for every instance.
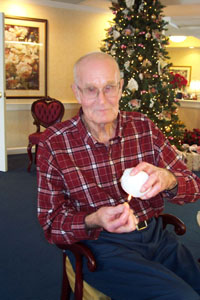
(25, 57)
(184, 71)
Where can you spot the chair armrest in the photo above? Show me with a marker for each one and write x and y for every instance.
(80, 250)
(179, 226)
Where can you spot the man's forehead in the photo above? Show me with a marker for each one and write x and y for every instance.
(98, 70)
(98, 61)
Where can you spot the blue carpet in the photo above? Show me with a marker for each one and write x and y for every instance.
(30, 268)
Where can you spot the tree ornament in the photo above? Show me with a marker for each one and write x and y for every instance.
(135, 103)
(160, 116)
(132, 85)
(141, 7)
(129, 51)
(153, 90)
(109, 29)
(153, 17)
(113, 50)
(140, 57)
(141, 76)
(147, 75)
(125, 11)
(116, 34)
(126, 65)
(156, 35)
(143, 92)
(167, 115)
(151, 103)
(148, 35)
(127, 31)
(171, 138)
(167, 129)
(130, 3)
(146, 63)
(115, 4)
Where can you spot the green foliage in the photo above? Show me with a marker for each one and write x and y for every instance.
(137, 40)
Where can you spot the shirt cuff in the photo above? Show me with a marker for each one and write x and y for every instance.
(79, 229)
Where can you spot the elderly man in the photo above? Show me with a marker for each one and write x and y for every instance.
(80, 163)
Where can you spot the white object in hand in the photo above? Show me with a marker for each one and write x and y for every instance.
(132, 184)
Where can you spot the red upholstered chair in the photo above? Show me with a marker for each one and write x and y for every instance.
(75, 282)
(46, 112)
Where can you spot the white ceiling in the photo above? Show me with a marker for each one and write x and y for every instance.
(184, 14)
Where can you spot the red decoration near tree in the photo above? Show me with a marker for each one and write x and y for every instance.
(192, 137)
(178, 80)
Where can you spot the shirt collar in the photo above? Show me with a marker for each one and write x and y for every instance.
(86, 135)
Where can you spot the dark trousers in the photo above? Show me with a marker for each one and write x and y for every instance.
(143, 265)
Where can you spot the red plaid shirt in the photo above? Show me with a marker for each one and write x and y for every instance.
(77, 175)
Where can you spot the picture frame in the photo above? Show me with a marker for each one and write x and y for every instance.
(25, 57)
(184, 71)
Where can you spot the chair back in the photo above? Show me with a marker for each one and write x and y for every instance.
(47, 111)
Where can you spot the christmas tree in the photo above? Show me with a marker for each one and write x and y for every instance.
(137, 40)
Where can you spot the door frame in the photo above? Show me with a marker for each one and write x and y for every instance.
(3, 146)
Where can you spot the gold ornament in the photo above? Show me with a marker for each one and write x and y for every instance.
(140, 57)
(153, 17)
(167, 129)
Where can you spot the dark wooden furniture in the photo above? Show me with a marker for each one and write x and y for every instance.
(46, 112)
(79, 250)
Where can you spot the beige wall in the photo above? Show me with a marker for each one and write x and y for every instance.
(186, 57)
(190, 116)
(71, 33)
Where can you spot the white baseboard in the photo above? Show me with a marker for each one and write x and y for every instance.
(16, 150)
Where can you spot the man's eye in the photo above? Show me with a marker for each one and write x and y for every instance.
(91, 90)
(109, 88)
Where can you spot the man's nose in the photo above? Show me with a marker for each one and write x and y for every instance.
(101, 96)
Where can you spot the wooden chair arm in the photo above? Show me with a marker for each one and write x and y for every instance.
(179, 226)
(80, 250)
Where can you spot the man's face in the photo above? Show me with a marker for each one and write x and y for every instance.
(98, 90)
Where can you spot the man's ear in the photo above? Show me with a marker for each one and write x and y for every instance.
(121, 86)
(121, 83)
(76, 92)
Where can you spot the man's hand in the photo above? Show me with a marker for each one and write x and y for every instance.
(160, 179)
(117, 219)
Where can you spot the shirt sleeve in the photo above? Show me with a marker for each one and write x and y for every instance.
(60, 220)
(188, 188)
